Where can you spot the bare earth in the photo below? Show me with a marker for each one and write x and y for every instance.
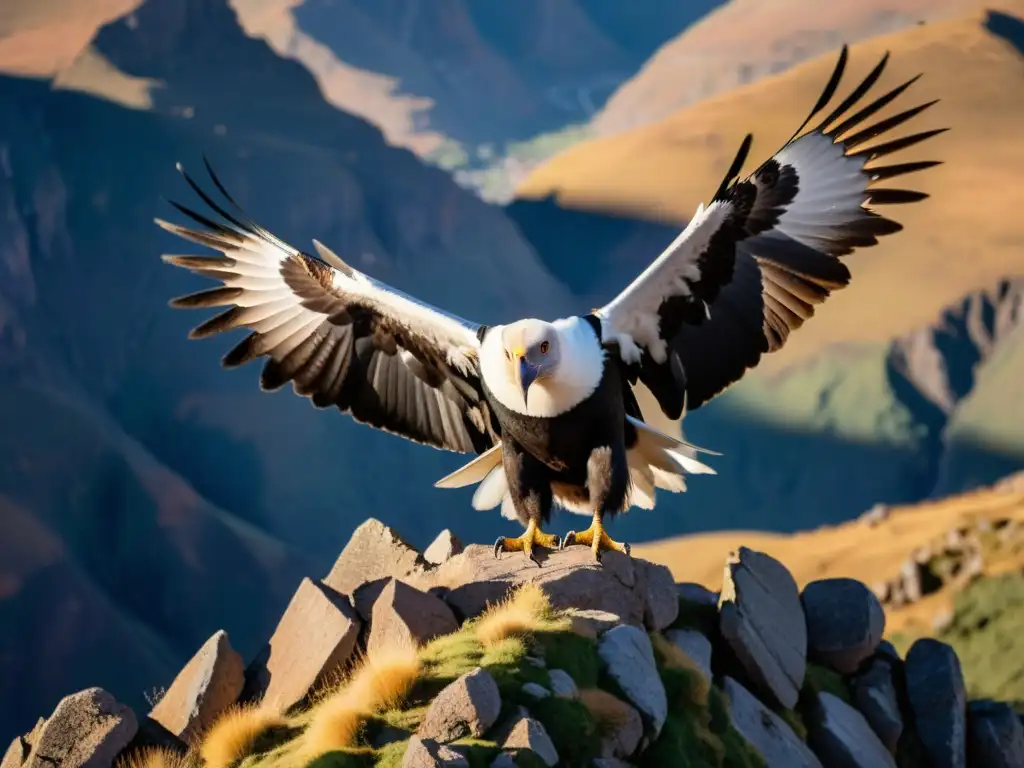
(967, 235)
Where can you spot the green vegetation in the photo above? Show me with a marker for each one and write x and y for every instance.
(987, 633)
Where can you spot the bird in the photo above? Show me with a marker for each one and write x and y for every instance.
(552, 411)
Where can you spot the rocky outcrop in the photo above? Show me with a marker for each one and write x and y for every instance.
(539, 685)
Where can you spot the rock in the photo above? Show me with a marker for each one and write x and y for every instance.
(427, 753)
(874, 695)
(611, 762)
(627, 653)
(528, 733)
(765, 731)
(935, 689)
(87, 729)
(845, 622)
(995, 735)
(374, 554)
(211, 682)
(571, 579)
(662, 599)
(404, 615)
(842, 737)
(624, 739)
(562, 684)
(316, 635)
(467, 706)
(762, 619)
(592, 623)
(695, 645)
(444, 547)
(504, 760)
(876, 515)
(887, 650)
(696, 593)
(536, 691)
(151, 734)
(18, 751)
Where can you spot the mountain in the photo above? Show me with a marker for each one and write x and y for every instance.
(132, 465)
(743, 41)
(965, 237)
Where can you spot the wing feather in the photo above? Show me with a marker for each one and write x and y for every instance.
(752, 265)
(338, 336)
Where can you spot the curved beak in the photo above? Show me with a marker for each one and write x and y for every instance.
(527, 375)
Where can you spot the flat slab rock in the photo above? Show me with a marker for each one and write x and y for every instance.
(874, 694)
(465, 707)
(426, 753)
(938, 701)
(695, 645)
(88, 728)
(629, 659)
(403, 615)
(762, 619)
(444, 547)
(765, 731)
(211, 682)
(845, 622)
(571, 579)
(843, 738)
(316, 636)
(374, 554)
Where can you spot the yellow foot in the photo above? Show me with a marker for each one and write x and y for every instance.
(597, 539)
(532, 536)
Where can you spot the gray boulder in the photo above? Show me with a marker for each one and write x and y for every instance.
(87, 729)
(427, 753)
(842, 737)
(662, 604)
(528, 733)
(874, 694)
(627, 653)
(845, 622)
(935, 688)
(995, 735)
(695, 645)
(762, 619)
(692, 592)
(562, 684)
(466, 707)
(765, 731)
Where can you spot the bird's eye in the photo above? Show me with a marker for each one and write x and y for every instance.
(544, 347)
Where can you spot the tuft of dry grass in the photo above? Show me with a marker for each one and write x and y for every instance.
(610, 712)
(524, 611)
(234, 733)
(674, 657)
(151, 757)
(379, 681)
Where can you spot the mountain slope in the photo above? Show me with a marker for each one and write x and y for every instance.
(964, 237)
(743, 41)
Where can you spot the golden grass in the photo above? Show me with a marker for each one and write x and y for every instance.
(379, 681)
(674, 657)
(235, 732)
(852, 549)
(151, 757)
(610, 712)
(964, 237)
(525, 611)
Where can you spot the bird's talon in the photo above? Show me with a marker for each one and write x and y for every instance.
(570, 537)
(498, 546)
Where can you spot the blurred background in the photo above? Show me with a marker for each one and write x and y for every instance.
(499, 159)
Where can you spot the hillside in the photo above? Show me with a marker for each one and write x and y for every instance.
(964, 237)
(743, 41)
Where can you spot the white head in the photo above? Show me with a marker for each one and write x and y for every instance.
(532, 354)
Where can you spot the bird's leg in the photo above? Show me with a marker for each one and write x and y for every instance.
(607, 485)
(531, 537)
(530, 489)
(596, 538)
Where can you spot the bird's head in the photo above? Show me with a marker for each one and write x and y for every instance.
(531, 353)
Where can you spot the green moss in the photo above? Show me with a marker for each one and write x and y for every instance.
(819, 679)
(343, 759)
(795, 721)
(572, 653)
(572, 729)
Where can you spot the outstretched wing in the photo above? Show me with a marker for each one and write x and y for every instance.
(340, 337)
(750, 267)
